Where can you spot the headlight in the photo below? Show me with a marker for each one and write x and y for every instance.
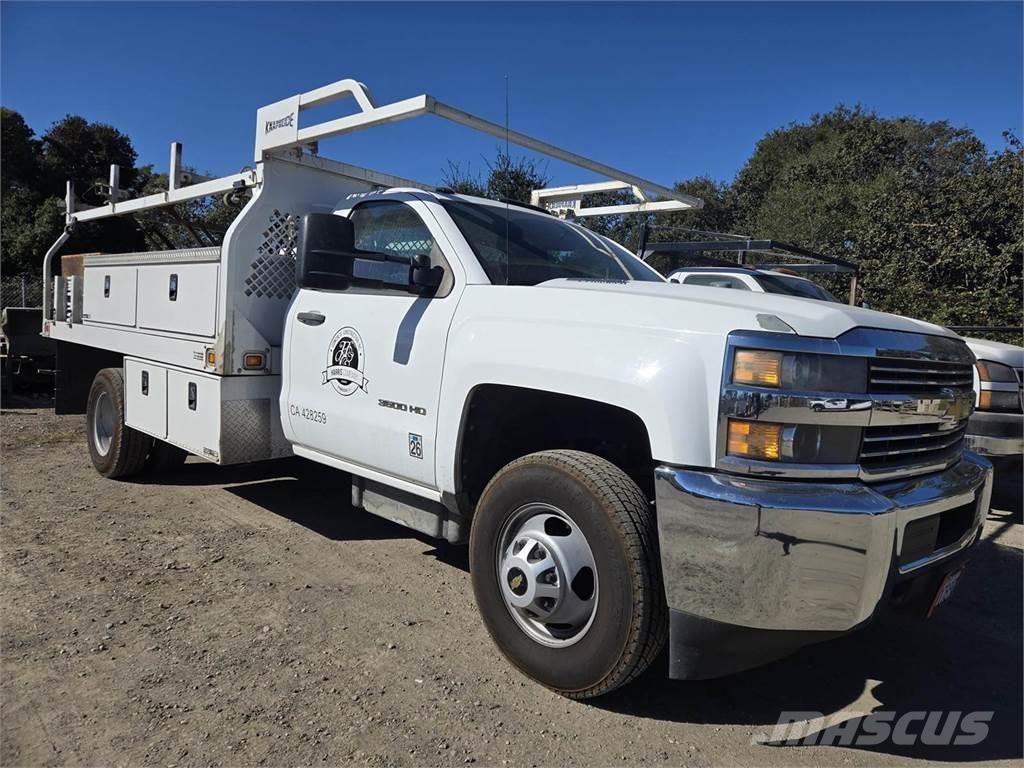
(800, 372)
(801, 443)
(1005, 394)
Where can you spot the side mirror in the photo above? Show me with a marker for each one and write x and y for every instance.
(424, 277)
(865, 305)
(325, 252)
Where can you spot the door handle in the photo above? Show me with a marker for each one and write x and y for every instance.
(311, 318)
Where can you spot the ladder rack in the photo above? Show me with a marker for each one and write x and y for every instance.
(278, 131)
(277, 127)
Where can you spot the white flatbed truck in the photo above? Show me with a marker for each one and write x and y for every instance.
(631, 462)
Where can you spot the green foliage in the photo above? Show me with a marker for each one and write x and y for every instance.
(462, 181)
(19, 152)
(83, 152)
(33, 175)
(933, 221)
(508, 178)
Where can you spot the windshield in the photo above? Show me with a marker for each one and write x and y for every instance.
(519, 247)
(794, 286)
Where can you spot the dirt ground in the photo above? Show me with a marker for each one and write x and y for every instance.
(246, 616)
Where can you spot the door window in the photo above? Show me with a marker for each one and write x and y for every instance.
(394, 228)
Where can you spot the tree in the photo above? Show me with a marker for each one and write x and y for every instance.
(33, 174)
(461, 181)
(77, 150)
(949, 250)
(508, 178)
(933, 221)
(19, 152)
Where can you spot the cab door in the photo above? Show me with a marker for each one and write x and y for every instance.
(364, 365)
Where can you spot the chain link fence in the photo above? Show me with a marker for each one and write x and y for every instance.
(21, 291)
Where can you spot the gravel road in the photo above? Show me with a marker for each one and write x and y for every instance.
(246, 616)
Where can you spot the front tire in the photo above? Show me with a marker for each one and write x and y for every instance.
(565, 570)
(116, 449)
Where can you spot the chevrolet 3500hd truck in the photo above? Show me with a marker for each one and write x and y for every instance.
(490, 372)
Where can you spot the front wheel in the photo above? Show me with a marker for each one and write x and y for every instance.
(565, 570)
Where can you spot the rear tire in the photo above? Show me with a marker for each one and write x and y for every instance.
(543, 523)
(116, 449)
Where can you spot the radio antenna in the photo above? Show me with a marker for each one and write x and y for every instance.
(508, 161)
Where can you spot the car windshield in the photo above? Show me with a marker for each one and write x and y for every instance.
(794, 286)
(520, 247)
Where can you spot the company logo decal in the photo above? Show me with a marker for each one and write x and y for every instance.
(345, 362)
(282, 122)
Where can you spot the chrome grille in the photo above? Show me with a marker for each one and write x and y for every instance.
(888, 448)
(911, 418)
(891, 375)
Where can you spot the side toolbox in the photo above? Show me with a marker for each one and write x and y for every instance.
(224, 419)
(145, 397)
(109, 295)
(193, 408)
(179, 297)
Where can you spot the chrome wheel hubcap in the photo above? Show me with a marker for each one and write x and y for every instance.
(546, 574)
(103, 423)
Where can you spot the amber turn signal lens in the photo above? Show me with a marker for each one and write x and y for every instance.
(754, 440)
(211, 358)
(253, 361)
(757, 368)
(998, 400)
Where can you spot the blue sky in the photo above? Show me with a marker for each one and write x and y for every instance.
(667, 91)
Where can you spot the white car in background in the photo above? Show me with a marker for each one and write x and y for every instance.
(995, 429)
(756, 280)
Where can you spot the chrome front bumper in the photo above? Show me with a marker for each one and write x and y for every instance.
(795, 555)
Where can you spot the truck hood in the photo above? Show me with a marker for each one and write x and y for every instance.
(740, 308)
(997, 352)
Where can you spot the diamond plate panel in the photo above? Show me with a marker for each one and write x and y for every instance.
(245, 431)
(272, 273)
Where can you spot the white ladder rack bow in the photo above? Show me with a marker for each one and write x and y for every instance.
(277, 127)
